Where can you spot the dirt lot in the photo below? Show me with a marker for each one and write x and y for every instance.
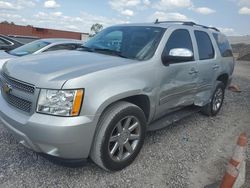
(191, 153)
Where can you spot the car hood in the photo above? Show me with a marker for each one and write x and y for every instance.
(52, 69)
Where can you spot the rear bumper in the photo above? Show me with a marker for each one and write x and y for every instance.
(64, 137)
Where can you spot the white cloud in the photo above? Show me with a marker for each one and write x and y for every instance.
(72, 27)
(57, 13)
(244, 3)
(204, 10)
(51, 4)
(147, 2)
(227, 31)
(244, 10)
(26, 3)
(10, 16)
(83, 23)
(124, 6)
(8, 6)
(171, 16)
(121, 4)
(171, 4)
(128, 12)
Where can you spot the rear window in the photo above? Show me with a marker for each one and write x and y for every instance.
(223, 44)
(205, 47)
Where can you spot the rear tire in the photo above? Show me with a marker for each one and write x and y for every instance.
(120, 136)
(213, 107)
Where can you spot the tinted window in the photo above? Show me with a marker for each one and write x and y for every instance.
(62, 47)
(133, 42)
(205, 47)
(3, 42)
(179, 39)
(29, 48)
(223, 44)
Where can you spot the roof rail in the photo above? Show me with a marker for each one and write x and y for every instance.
(187, 23)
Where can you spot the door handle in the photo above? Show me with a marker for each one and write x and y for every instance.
(215, 67)
(193, 71)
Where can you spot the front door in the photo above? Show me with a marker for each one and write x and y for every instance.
(178, 80)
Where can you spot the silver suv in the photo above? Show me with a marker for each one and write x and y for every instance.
(99, 102)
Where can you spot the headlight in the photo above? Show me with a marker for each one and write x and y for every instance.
(60, 102)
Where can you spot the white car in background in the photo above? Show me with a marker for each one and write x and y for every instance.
(40, 46)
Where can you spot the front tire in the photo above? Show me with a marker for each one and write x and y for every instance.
(212, 108)
(120, 136)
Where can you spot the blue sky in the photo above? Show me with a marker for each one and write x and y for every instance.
(231, 16)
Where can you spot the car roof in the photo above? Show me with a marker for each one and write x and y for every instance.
(167, 24)
(60, 40)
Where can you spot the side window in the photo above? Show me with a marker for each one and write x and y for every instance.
(205, 46)
(62, 47)
(223, 44)
(179, 39)
(3, 42)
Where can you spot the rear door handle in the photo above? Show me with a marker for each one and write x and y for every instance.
(215, 67)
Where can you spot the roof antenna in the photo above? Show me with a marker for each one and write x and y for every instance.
(156, 21)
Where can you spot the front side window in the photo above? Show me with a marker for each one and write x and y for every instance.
(133, 42)
(29, 48)
(223, 44)
(205, 46)
(179, 39)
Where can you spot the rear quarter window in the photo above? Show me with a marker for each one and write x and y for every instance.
(223, 45)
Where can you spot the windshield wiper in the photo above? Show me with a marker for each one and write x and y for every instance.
(112, 52)
(85, 48)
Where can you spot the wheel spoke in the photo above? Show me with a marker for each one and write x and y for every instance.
(119, 127)
(128, 147)
(134, 137)
(115, 147)
(120, 154)
(127, 123)
(133, 127)
(114, 138)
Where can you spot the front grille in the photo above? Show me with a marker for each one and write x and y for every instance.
(20, 94)
(18, 84)
(19, 103)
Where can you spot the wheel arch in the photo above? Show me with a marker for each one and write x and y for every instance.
(223, 78)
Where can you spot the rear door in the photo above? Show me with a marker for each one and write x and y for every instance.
(208, 65)
(178, 80)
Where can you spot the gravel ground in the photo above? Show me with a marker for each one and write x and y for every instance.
(191, 153)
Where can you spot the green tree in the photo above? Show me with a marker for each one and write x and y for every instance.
(95, 28)
(6, 22)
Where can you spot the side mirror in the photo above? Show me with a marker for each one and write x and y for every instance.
(177, 55)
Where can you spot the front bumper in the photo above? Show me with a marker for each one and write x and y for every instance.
(64, 137)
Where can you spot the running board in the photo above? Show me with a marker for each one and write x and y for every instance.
(172, 118)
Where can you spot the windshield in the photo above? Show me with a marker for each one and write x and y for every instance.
(133, 42)
(29, 48)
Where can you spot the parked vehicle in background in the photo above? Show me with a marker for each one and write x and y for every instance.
(40, 46)
(128, 79)
(23, 39)
(7, 43)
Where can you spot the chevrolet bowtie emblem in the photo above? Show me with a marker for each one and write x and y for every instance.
(7, 88)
